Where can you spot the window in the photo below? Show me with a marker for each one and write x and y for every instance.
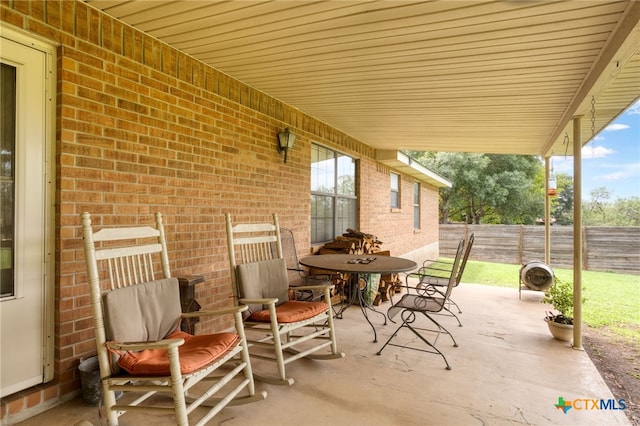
(416, 205)
(7, 178)
(333, 194)
(395, 191)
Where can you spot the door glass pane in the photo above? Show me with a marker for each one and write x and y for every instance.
(7, 181)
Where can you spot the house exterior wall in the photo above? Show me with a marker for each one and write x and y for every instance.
(142, 128)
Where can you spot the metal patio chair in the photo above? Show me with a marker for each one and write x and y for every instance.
(439, 271)
(424, 300)
(306, 275)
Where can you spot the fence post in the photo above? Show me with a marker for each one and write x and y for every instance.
(521, 246)
(585, 251)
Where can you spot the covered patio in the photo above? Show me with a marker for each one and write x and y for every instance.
(506, 370)
(175, 107)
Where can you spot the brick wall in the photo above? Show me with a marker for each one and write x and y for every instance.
(394, 227)
(142, 128)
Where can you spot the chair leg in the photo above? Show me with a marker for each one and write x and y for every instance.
(330, 324)
(177, 388)
(277, 344)
(406, 323)
(453, 315)
(452, 302)
(390, 338)
(431, 345)
(441, 329)
(109, 398)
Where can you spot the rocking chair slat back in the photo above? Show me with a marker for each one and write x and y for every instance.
(130, 265)
(252, 242)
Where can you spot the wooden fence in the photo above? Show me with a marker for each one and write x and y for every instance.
(615, 249)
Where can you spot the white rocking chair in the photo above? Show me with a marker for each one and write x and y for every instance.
(275, 323)
(138, 338)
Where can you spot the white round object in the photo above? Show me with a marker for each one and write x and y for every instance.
(537, 276)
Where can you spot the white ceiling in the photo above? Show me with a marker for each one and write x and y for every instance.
(473, 76)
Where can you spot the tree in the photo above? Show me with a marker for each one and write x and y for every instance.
(509, 189)
(597, 207)
(486, 188)
(627, 212)
(562, 205)
(600, 211)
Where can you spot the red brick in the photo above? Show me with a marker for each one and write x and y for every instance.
(11, 17)
(33, 399)
(184, 140)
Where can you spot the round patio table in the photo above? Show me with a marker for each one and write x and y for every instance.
(360, 264)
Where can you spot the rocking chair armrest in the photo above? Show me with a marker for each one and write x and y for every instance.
(210, 312)
(265, 301)
(313, 287)
(140, 346)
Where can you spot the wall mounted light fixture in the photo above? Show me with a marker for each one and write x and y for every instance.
(286, 140)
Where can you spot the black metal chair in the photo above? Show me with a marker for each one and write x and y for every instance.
(309, 277)
(426, 298)
(439, 272)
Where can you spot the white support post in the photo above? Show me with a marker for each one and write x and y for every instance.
(577, 233)
(547, 214)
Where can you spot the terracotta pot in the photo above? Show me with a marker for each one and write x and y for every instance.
(559, 331)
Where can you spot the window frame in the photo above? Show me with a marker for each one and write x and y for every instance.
(416, 205)
(336, 196)
(395, 191)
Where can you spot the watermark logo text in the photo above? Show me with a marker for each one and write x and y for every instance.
(583, 404)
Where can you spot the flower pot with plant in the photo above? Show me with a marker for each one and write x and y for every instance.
(560, 296)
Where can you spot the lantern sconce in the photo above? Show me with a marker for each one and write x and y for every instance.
(286, 140)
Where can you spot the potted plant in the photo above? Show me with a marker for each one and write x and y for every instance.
(560, 296)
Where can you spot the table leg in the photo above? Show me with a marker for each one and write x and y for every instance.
(364, 305)
(352, 296)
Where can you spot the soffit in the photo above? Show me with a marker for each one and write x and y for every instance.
(407, 165)
(468, 76)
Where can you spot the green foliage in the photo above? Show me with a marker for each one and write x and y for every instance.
(509, 189)
(560, 296)
(486, 188)
(562, 204)
(599, 210)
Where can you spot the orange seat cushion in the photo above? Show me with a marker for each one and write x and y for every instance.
(197, 352)
(292, 311)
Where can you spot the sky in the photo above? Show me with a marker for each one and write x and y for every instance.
(611, 159)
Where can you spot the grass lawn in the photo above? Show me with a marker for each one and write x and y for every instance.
(612, 299)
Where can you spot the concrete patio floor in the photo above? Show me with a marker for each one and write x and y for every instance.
(506, 370)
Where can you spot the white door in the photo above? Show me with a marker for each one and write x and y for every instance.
(23, 215)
